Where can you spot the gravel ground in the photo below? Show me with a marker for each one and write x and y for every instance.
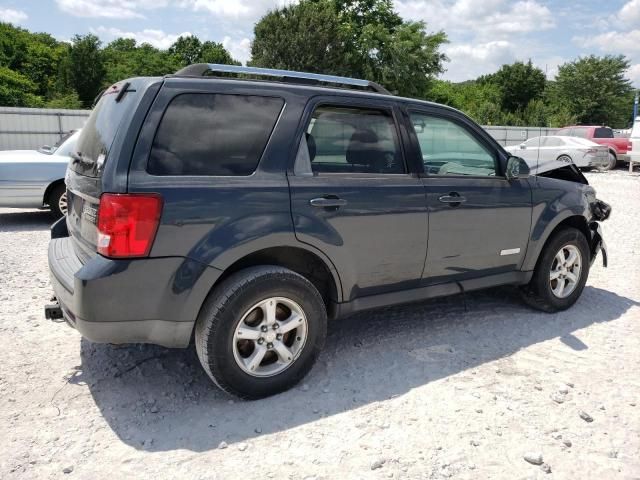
(456, 387)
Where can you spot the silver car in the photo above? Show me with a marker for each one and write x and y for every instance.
(35, 178)
(548, 153)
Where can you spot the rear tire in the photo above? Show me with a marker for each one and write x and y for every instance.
(613, 161)
(237, 332)
(57, 200)
(561, 272)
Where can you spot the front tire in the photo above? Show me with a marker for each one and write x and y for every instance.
(260, 331)
(561, 272)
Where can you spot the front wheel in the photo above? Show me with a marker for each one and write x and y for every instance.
(561, 272)
(260, 331)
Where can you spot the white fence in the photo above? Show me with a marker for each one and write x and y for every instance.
(31, 128)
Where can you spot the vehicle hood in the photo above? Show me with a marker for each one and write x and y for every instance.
(29, 156)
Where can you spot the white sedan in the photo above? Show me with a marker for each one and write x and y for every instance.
(34, 178)
(549, 153)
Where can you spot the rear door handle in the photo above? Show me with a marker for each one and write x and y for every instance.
(452, 198)
(328, 202)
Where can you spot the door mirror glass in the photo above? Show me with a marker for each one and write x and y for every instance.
(517, 168)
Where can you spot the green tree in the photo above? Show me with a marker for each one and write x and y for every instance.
(123, 58)
(16, 90)
(358, 38)
(519, 83)
(595, 90)
(86, 66)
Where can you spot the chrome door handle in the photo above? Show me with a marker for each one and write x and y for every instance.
(452, 199)
(328, 202)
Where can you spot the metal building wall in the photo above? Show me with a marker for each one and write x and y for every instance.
(515, 135)
(30, 128)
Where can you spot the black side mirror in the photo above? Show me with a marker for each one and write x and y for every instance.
(517, 168)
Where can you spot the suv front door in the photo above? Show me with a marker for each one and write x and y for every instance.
(479, 222)
(353, 197)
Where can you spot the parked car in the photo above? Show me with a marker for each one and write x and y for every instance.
(35, 178)
(549, 153)
(245, 213)
(618, 147)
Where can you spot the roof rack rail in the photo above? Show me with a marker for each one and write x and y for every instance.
(200, 69)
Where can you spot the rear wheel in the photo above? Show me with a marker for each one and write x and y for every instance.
(57, 200)
(260, 331)
(613, 161)
(561, 272)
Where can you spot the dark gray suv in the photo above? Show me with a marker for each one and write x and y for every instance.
(242, 213)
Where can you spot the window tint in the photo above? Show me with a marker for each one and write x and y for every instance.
(580, 132)
(213, 134)
(353, 140)
(534, 142)
(448, 149)
(552, 142)
(603, 132)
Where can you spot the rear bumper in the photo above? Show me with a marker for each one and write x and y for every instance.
(150, 300)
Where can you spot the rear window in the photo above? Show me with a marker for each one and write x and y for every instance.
(213, 134)
(98, 133)
(603, 132)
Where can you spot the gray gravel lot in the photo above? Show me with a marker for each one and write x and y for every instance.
(462, 387)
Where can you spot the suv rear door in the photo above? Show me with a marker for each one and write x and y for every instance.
(479, 222)
(354, 197)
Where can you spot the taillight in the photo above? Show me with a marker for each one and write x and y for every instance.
(127, 224)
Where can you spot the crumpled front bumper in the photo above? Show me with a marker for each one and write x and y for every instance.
(598, 244)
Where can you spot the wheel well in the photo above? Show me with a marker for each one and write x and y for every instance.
(615, 154)
(49, 188)
(577, 222)
(296, 259)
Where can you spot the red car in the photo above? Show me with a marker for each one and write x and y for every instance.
(618, 147)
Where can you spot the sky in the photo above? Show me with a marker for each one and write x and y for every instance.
(483, 34)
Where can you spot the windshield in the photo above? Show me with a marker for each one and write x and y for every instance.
(48, 150)
(97, 135)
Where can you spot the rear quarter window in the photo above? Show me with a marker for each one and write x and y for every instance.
(213, 134)
(603, 133)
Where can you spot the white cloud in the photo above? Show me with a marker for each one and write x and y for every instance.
(468, 61)
(157, 38)
(487, 19)
(613, 42)
(12, 16)
(634, 74)
(239, 49)
(629, 14)
(117, 9)
(251, 9)
(484, 35)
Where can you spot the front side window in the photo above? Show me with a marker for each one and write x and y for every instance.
(449, 149)
(353, 140)
(213, 134)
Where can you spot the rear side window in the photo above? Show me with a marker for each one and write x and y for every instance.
(213, 134)
(603, 133)
(580, 132)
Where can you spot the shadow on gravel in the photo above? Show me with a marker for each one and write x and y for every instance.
(157, 399)
(25, 221)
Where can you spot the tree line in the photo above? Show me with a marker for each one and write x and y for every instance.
(355, 38)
